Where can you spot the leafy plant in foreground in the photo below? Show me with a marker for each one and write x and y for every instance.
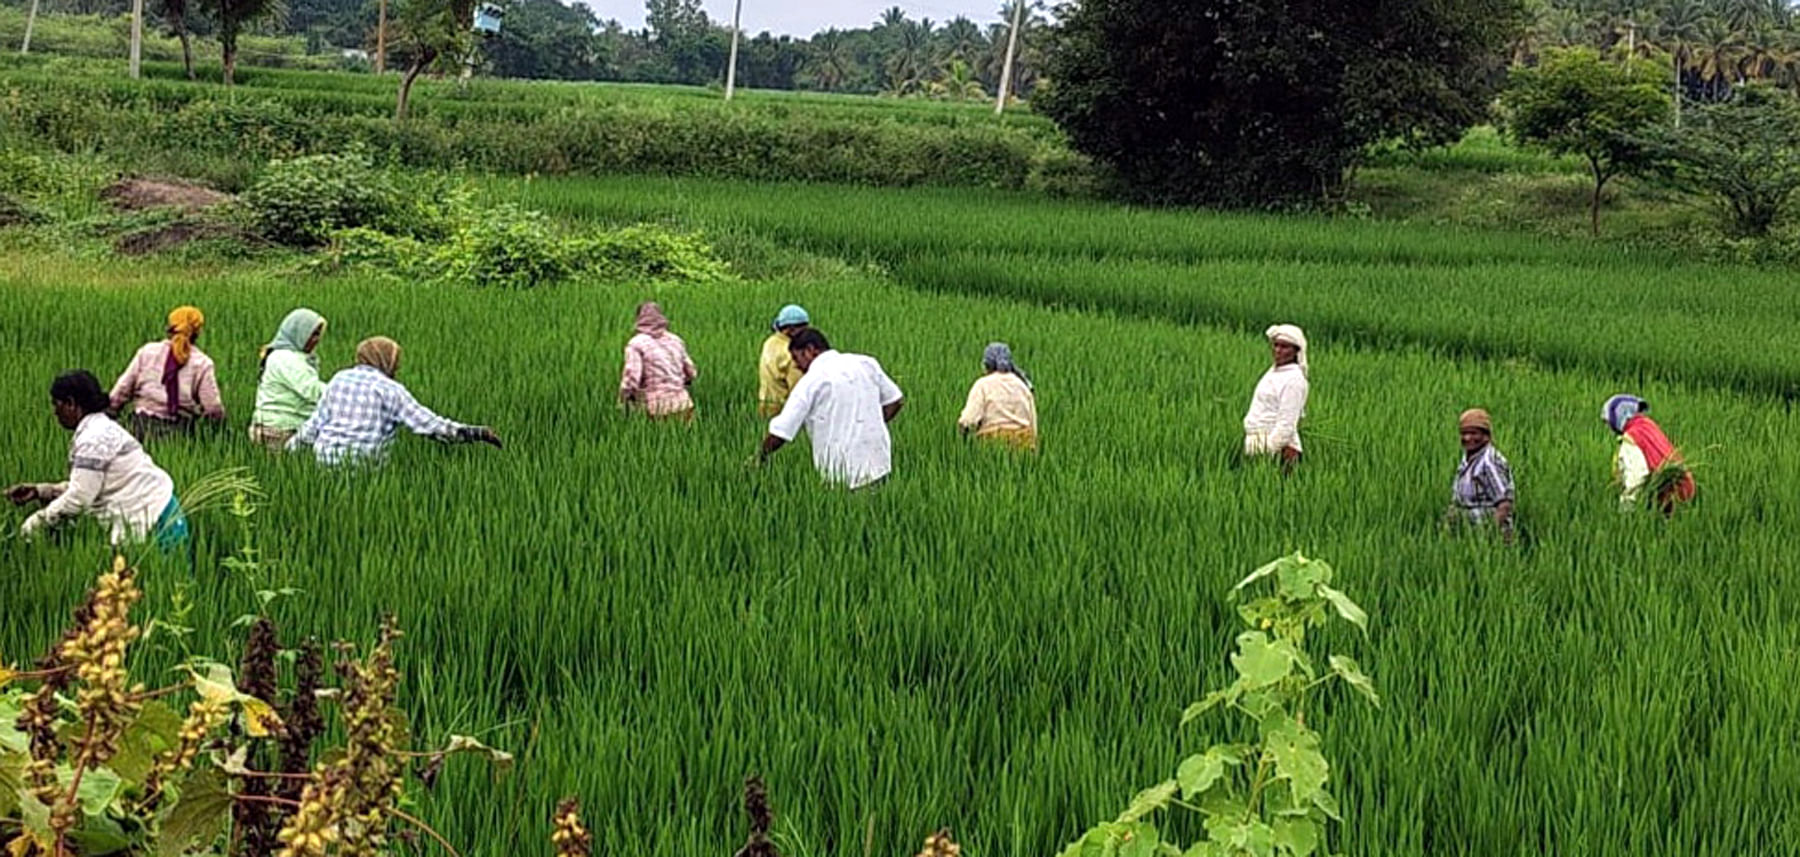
(1265, 797)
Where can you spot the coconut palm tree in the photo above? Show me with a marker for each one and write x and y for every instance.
(1717, 52)
(958, 83)
(961, 40)
(1681, 25)
(829, 59)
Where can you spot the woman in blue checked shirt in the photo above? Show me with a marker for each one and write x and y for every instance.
(1482, 493)
(364, 407)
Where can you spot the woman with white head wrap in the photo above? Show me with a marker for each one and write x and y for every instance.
(1002, 406)
(1272, 425)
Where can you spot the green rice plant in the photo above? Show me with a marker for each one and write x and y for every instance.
(1000, 645)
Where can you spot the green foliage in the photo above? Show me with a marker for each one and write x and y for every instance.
(1577, 103)
(303, 201)
(1267, 102)
(508, 247)
(1264, 797)
(1742, 154)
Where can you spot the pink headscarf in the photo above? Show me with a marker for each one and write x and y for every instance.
(650, 319)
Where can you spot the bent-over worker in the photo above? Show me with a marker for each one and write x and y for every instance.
(363, 407)
(844, 401)
(776, 373)
(1002, 404)
(1643, 451)
(657, 369)
(170, 382)
(290, 387)
(111, 477)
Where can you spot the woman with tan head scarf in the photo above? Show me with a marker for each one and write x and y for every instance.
(1482, 493)
(170, 383)
(657, 369)
(364, 407)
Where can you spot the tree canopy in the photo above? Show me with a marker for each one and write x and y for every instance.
(1266, 102)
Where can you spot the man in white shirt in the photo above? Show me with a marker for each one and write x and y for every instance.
(1272, 425)
(110, 475)
(844, 401)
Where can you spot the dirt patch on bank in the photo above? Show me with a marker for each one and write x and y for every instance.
(141, 194)
(168, 236)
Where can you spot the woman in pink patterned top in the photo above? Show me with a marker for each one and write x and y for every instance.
(170, 383)
(658, 369)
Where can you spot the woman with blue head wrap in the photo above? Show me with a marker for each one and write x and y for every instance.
(1002, 405)
(776, 372)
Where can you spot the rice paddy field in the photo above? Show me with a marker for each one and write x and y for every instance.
(996, 644)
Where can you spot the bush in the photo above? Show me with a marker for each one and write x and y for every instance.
(303, 201)
(509, 247)
(1743, 155)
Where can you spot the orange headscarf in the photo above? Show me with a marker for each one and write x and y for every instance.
(184, 324)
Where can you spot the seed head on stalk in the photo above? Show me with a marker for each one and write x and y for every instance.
(570, 837)
(756, 806)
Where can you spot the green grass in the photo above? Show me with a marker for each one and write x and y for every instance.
(997, 645)
(105, 42)
(1487, 294)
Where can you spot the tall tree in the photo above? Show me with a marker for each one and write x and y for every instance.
(1267, 102)
(175, 14)
(232, 17)
(1576, 103)
(685, 37)
(433, 33)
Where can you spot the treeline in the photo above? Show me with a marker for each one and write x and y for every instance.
(680, 43)
(1712, 45)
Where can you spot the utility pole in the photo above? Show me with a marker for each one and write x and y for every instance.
(30, 18)
(137, 37)
(737, 14)
(381, 37)
(1012, 49)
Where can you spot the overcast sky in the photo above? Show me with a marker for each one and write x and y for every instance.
(805, 17)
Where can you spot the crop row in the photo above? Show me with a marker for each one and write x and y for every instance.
(999, 645)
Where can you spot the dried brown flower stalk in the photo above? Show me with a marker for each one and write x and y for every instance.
(941, 844)
(569, 836)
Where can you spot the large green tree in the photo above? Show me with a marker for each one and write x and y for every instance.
(1577, 102)
(1267, 102)
(232, 17)
(431, 33)
(548, 39)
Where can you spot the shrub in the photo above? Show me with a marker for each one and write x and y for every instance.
(1743, 155)
(304, 200)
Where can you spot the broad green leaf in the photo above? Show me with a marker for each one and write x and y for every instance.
(1139, 840)
(198, 817)
(1301, 581)
(1348, 670)
(1201, 771)
(212, 680)
(1299, 836)
(1206, 849)
(1346, 608)
(98, 835)
(99, 787)
(1148, 801)
(1211, 701)
(1260, 663)
(12, 779)
(1327, 804)
(1242, 834)
(154, 731)
(1265, 571)
(1295, 750)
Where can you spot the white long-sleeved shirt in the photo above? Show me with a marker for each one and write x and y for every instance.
(111, 478)
(839, 402)
(1633, 470)
(1273, 422)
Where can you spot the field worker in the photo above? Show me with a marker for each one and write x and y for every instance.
(110, 475)
(1002, 406)
(1482, 493)
(364, 407)
(1644, 451)
(1272, 426)
(170, 382)
(844, 401)
(290, 387)
(776, 373)
(658, 369)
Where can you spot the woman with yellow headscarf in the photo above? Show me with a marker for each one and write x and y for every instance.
(170, 383)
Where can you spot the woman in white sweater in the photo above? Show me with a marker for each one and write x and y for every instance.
(110, 475)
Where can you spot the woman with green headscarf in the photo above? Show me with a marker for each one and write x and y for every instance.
(290, 387)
